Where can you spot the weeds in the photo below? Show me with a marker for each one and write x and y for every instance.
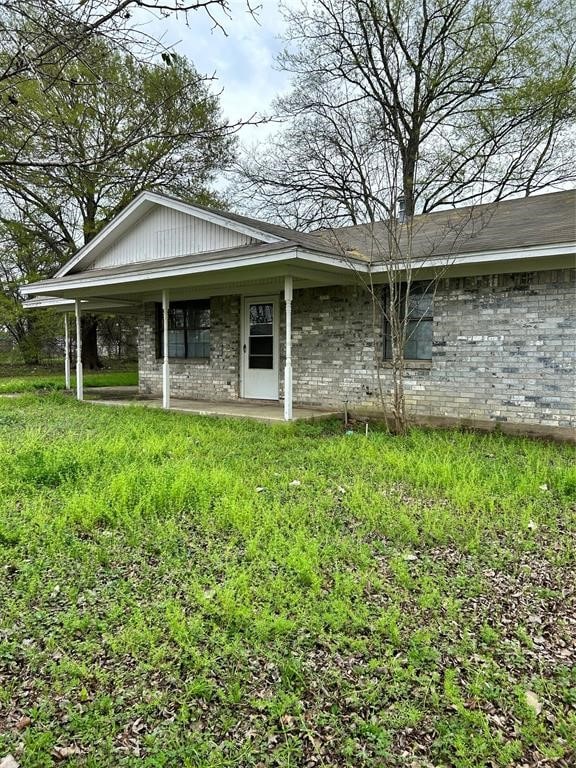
(169, 596)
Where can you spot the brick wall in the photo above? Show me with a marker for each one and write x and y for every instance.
(504, 351)
(214, 379)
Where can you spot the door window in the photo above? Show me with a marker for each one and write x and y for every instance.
(261, 336)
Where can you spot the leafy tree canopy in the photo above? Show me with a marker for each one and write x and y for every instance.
(114, 126)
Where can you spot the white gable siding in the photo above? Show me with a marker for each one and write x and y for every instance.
(163, 233)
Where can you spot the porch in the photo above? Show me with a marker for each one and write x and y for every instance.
(213, 293)
(255, 410)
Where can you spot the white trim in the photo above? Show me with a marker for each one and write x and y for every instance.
(288, 295)
(166, 363)
(66, 352)
(176, 205)
(482, 257)
(214, 218)
(197, 267)
(79, 372)
(242, 336)
(93, 303)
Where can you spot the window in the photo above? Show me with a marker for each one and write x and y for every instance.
(419, 321)
(188, 329)
(261, 336)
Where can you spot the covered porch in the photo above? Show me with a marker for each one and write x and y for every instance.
(215, 295)
(248, 372)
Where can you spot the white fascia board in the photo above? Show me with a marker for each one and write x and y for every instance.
(49, 301)
(335, 262)
(102, 235)
(157, 274)
(177, 205)
(67, 305)
(482, 257)
(84, 281)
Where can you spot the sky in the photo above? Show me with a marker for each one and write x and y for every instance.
(242, 60)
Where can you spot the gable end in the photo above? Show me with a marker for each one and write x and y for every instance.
(165, 233)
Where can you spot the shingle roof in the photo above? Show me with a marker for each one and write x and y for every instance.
(525, 222)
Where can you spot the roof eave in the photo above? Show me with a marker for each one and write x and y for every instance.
(92, 279)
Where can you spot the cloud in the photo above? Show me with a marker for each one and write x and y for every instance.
(242, 60)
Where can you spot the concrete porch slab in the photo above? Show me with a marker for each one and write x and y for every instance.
(270, 411)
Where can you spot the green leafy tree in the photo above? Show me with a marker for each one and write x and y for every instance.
(132, 126)
(22, 257)
(37, 36)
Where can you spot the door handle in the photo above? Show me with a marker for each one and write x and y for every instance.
(244, 348)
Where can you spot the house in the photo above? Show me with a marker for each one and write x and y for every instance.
(231, 307)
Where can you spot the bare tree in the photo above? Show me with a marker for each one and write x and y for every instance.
(406, 259)
(430, 104)
(476, 99)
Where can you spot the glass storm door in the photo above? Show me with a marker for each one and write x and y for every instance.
(260, 348)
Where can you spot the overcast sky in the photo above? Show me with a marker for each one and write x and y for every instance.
(242, 61)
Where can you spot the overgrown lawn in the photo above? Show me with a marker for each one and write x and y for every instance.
(181, 591)
(32, 381)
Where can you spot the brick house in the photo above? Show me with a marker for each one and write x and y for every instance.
(231, 307)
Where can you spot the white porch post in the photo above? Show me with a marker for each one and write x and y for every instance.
(288, 365)
(79, 373)
(66, 352)
(166, 364)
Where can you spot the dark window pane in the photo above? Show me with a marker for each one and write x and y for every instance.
(264, 329)
(202, 334)
(419, 329)
(420, 303)
(198, 349)
(188, 329)
(261, 361)
(261, 345)
(176, 318)
(176, 343)
(199, 318)
(199, 343)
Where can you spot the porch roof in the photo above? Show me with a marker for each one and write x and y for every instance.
(517, 235)
(261, 267)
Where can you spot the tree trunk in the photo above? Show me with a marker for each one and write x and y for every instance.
(409, 163)
(90, 358)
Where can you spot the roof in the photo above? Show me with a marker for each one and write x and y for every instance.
(524, 222)
(163, 264)
(526, 229)
(259, 231)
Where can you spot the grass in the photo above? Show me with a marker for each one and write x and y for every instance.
(180, 591)
(26, 379)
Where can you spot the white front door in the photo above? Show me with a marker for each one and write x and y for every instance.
(260, 348)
